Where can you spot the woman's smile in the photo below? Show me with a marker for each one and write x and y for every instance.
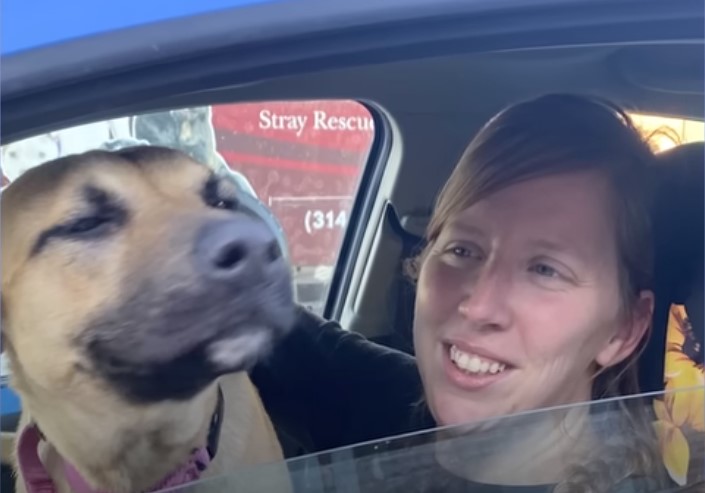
(472, 371)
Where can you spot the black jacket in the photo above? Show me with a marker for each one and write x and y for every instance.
(327, 387)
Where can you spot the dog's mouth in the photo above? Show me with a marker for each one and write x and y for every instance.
(240, 352)
(183, 374)
(179, 350)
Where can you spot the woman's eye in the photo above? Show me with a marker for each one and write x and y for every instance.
(545, 271)
(463, 252)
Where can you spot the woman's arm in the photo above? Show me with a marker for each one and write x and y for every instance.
(331, 387)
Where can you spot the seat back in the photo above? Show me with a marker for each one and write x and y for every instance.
(678, 221)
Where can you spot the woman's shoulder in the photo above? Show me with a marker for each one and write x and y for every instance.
(338, 384)
(348, 352)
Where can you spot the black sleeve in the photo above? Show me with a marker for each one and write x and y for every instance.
(330, 387)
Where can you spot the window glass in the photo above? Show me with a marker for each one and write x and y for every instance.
(412, 463)
(302, 159)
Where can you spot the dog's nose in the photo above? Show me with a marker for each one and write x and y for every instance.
(236, 248)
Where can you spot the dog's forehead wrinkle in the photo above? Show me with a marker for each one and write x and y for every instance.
(177, 180)
(96, 195)
(112, 171)
(146, 155)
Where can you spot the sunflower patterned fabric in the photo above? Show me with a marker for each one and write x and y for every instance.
(680, 413)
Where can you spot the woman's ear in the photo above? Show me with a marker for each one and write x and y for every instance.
(625, 341)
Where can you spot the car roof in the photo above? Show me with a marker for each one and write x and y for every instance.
(265, 39)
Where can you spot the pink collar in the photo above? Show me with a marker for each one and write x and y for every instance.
(37, 479)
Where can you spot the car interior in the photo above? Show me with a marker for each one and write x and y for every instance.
(426, 108)
(434, 127)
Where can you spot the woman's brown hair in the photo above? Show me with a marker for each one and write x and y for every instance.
(565, 133)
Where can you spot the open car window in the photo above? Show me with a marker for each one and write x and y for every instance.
(411, 462)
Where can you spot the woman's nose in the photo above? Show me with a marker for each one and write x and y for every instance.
(486, 304)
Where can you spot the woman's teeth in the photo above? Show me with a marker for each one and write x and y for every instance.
(471, 363)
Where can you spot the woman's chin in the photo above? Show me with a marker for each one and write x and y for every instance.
(462, 416)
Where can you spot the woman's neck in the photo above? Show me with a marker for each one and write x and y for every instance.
(530, 449)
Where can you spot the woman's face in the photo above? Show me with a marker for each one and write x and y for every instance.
(518, 301)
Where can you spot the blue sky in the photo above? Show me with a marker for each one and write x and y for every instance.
(27, 24)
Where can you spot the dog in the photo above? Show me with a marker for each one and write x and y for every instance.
(136, 294)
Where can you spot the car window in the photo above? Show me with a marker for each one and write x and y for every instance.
(302, 159)
(410, 462)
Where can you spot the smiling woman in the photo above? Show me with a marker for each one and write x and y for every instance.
(534, 289)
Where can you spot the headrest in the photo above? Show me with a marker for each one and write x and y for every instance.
(678, 221)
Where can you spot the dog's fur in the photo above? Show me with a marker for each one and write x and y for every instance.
(117, 334)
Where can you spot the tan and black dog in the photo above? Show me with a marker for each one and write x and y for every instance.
(135, 295)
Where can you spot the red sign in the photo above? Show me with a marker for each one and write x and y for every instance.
(304, 160)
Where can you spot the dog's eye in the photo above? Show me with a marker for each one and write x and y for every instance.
(225, 204)
(106, 217)
(86, 225)
(213, 197)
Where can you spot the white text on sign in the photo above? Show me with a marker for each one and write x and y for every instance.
(320, 121)
(317, 220)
